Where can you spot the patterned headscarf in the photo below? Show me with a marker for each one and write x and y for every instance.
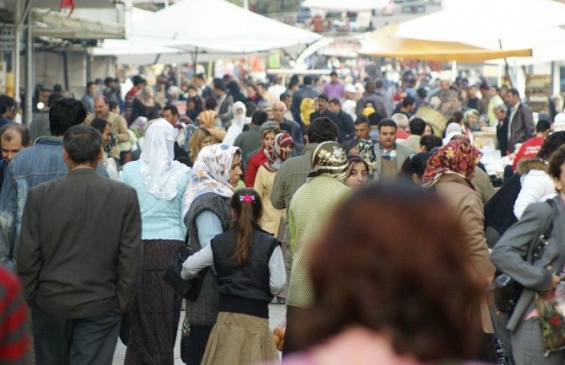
(456, 157)
(275, 155)
(209, 117)
(210, 174)
(329, 159)
(366, 150)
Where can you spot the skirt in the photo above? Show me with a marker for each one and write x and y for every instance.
(240, 339)
(155, 311)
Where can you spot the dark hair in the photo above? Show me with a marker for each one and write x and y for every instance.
(108, 80)
(18, 128)
(53, 97)
(233, 87)
(375, 118)
(247, 206)
(263, 85)
(551, 144)
(542, 125)
(456, 117)
(112, 104)
(199, 76)
(407, 101)
(379, 84)
(557, 160)
(58, 88)
(137, 79)
(173, 109)
(333, 73)
(387, 123)
(89, 84)
(250, 108)
(219, 84)
(308, 80)
(430, 142)
(210, 104)
(335, 101)
(415, 164)
(65, 113)
(284, 96)
(324, 97)
(6, 102)
(259, 117)
(422, 92)
(514, 92)
(83, 143)
(370, 87)
(99, 124)
(353, 161)
(426, 309)
(362, 120)
(292, 84)
(322, 130)
(417, 126)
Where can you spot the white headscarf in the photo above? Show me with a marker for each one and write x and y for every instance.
(237, 124)
(210, 174)
(159, 172)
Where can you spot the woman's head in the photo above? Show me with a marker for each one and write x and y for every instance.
(454, 157)
(357, 172)
(329, 159)
(405, 275)
(268, 132)
(556, 169)
(207, 119)
(159, 141)
(551, 144)
(429, 130)
(221, 162)
(471, 117)
(429, 142)
(247, 209)
(200, 139)
(210, 104)
(414, 167)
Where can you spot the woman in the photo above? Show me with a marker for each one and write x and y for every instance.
(414, 167)
(277, 153)
(471, 118)
(429, 130)
(357, 172)
(193, 108)
(310, 207)
(250, 269)
(359, 314)
(200, 139)
(144, 104)
(449, 172)
(537, 184)
(513, 255)
(207, 214)
(108, 141)
(237, 123)
(160, 183)
(268, 132)
(208, 119)
(235, 91)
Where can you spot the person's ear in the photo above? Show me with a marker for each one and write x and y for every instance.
(558, 185)
(416, 179)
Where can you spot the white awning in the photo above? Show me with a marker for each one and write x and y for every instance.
(53, 24)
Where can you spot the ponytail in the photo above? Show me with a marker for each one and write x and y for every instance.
(247, 206)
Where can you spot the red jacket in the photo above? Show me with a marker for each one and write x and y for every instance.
(528, 149)
(255, 162)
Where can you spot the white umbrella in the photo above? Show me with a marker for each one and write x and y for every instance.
(346, 5)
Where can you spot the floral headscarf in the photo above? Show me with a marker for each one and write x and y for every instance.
(456, 157)
(275, 155)
(210, 174)
(329, 159)
(366, 150)
(159, 173)
(209, 117)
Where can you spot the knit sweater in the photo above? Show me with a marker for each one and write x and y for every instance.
(310, 209)
(160, 218)
(271, 218)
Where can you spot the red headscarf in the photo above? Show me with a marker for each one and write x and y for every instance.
(456, 157)
(275, 155)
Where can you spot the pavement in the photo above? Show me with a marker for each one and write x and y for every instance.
(276, 314)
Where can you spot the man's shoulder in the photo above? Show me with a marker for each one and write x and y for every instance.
(404, 148)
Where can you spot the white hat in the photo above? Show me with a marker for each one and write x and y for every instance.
(349, 88)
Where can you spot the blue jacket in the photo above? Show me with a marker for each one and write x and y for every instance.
(32, 166)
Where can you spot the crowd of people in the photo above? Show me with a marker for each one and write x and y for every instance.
(372, 223)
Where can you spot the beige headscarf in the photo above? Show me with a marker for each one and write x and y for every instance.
(147, 97)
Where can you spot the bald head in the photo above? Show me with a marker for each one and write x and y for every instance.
(279, 108)
(101, 107)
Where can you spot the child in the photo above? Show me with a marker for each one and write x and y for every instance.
(250, 270)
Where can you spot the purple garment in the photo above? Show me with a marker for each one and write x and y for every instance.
(334, 91)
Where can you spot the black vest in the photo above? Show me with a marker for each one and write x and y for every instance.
(244, 289)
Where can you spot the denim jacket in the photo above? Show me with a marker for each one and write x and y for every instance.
(32, 166)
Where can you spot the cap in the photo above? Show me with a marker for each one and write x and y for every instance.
(269, 125)
(349, 88)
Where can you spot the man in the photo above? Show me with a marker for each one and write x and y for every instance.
(13, 138)
(402, 122)
(80, 257)
(171, 114)
(277, 88)
(407, 106)
(362, 128)
(500, 112)
(88, 98)
(250, 140)
(307, 91)
(138, 84)
(530, 148)
(32, 166)
(204, 90)
(293, 173)
(225, 101)
(119, 125)
(263, 91)
(8, 109)
(334, 89)
(349, 104)
(323, 111)
(385, 95)
(371, 97)
(111, 91)
(390, 155)
(417, 127)
(473, 101)
(494, 99)
(521, 121)
(290, 114)
(445, 93)
(39, 126)
(293, 128)
(343, 120)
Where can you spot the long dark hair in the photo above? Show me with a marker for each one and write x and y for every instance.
(246, 203)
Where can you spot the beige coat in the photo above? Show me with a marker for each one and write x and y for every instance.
(456, 192)
(119, 127)
(271, 218)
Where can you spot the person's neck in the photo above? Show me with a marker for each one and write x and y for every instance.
(540, 135)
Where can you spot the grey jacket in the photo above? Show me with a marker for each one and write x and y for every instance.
(402, 153)
(514, 251)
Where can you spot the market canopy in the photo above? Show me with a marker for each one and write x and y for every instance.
(346, 5)
(386, 43)
(217, 26)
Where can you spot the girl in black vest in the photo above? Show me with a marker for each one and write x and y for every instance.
(250, 271)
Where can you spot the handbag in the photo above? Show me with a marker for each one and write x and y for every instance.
(188, 289)
(508, 290)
